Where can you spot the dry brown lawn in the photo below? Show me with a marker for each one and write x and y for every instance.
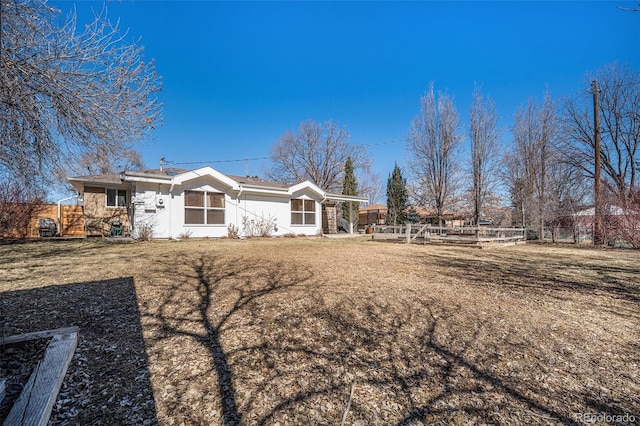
(283, 331)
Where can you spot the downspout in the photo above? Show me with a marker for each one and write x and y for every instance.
(171, 208)
(59, 223)
(350, 217)
(238, 205)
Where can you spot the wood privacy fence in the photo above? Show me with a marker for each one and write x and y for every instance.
(20, 220)
(473, 235)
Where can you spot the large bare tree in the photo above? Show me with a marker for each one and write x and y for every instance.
(534, 133)
(619, 108)
(67, 89)
(483, 135)
(316, 152)
(433, 152)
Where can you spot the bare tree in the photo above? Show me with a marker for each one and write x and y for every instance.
(534, 133)
(316, 152)
(67, 92)
(101, 161)
(619, 105)
(371, 186)
(483, 133)
(566, 194)
(432, 146)
(519, 186)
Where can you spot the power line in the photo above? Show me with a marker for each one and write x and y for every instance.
(217, 161)
(382, 143)
(239, 160)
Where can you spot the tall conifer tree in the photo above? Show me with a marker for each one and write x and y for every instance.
(349, 187)
(397, 198)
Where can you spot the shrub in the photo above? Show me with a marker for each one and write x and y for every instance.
(145, 232)
(259, 227)
(185, 235)
(233, 231)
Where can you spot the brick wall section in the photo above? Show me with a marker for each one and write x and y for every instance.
(329, 219)
(98, 216)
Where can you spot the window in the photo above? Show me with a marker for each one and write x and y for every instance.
(203, 208)
(116, 198)
(303, 212)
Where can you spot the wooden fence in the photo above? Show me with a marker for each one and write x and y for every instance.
(71, 220)
(472, 235)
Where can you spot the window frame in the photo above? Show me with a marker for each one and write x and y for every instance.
(304, 212)
(117, 195)
(204, 208)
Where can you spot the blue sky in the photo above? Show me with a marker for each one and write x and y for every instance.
(237, 75)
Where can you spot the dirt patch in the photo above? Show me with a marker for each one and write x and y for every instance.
(280, 331)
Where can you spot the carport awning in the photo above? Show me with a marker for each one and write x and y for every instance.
(341, 198)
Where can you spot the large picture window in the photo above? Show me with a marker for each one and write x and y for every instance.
(203, 208)
(303, 212)
(116, 198)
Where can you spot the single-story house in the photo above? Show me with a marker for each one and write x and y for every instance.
(203, 203)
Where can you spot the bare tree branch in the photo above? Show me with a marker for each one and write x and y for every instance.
(619, 102)
(64, 90)
(433, 144)
(483, 134)
(528, 165)
(316, 152)
(626, 9)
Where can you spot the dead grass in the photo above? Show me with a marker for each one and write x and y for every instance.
(278, 331)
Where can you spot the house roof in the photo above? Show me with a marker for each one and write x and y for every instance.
(606, 209)
(374, 207)
(109, 179)
(176, 176)
(255, 181)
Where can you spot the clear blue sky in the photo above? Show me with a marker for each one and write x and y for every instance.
(237, 75)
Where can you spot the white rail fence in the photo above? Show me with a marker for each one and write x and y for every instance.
(475, 235)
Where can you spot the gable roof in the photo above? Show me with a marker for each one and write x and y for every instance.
(175, 176)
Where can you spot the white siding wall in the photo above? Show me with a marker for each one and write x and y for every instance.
(154, 204)
(150, 207)
(307, 229)
(259, 207)
(199, 231)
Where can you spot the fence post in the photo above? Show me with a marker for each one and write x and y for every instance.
(408, 233)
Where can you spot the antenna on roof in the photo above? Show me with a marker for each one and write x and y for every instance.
(161, 162)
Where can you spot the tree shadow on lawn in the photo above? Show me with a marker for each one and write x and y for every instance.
(203, 301)
(107, 381)
(543, 277)
(281, 347)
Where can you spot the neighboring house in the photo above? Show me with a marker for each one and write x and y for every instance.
(203, 203)
(583, 220)
(374, 214)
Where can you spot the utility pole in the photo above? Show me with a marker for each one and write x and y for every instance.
(597, 196)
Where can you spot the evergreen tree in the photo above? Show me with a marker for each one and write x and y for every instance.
(397, 198)
(349, 187)
(412, 215)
